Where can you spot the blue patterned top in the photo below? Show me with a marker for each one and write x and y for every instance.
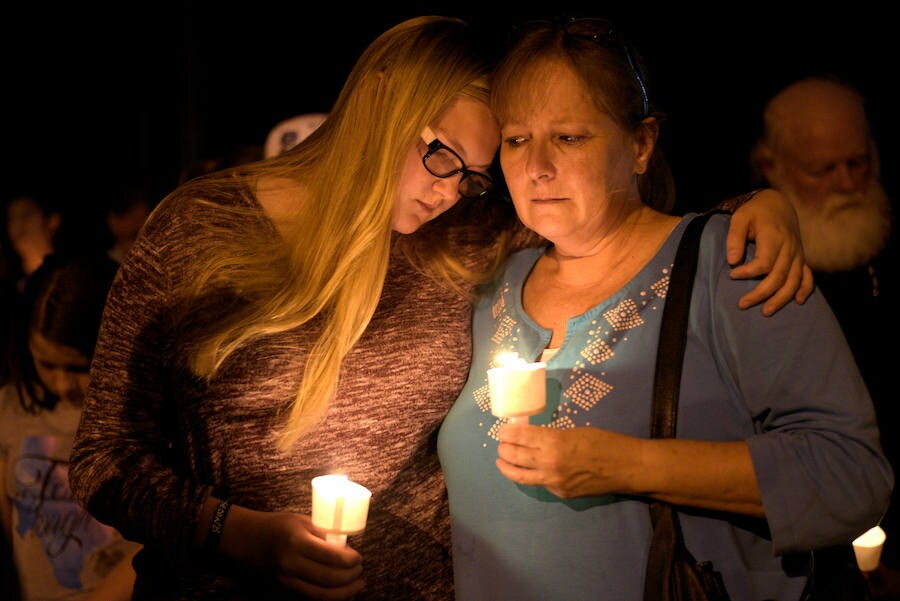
(786, 384)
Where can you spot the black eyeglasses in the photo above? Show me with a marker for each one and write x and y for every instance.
(442, 161)
(601, 31)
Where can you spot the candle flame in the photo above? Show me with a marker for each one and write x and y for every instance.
(509, 359)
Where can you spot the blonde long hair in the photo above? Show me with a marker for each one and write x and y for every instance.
(327, 269)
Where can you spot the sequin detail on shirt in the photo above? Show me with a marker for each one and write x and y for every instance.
(584, 387)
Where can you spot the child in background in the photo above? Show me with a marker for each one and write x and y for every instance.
(60, 552)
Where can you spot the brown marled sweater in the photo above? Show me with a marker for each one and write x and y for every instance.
(154, 441)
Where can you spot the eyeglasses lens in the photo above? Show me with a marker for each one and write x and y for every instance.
(443, 163)
(474, 185)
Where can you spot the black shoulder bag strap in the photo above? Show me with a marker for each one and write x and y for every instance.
(673, 332)
(672, 573)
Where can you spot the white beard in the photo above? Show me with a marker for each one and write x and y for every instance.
(846, 231)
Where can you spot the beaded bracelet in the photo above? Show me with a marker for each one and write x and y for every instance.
(214, 536)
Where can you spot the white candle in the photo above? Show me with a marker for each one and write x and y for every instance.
(518, 389)
(339, 506)
(867, 548)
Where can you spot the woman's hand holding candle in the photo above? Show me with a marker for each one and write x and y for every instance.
(570, 463)
(290, 549)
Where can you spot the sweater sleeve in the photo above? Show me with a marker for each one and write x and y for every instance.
(730, 205)
(815, 445)
(123, 466)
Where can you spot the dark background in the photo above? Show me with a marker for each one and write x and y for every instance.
(95, 97)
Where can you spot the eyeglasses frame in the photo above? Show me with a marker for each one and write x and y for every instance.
(435, 145)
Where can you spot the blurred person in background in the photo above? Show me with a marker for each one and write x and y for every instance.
(29, 232)
(125, 215)
(818, 149)
(60, 552)
(290, 132)
(32, 223)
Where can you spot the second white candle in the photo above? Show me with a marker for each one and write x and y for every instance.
(339, 506)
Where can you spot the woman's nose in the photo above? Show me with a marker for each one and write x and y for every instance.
(539, 162)
(447, 187)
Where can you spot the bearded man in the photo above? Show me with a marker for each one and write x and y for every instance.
(818, 150)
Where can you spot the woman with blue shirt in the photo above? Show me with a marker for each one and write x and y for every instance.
(777, 450)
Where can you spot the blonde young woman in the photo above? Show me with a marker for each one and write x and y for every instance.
(305, 315)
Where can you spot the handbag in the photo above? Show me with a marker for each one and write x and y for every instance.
(672, 572)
